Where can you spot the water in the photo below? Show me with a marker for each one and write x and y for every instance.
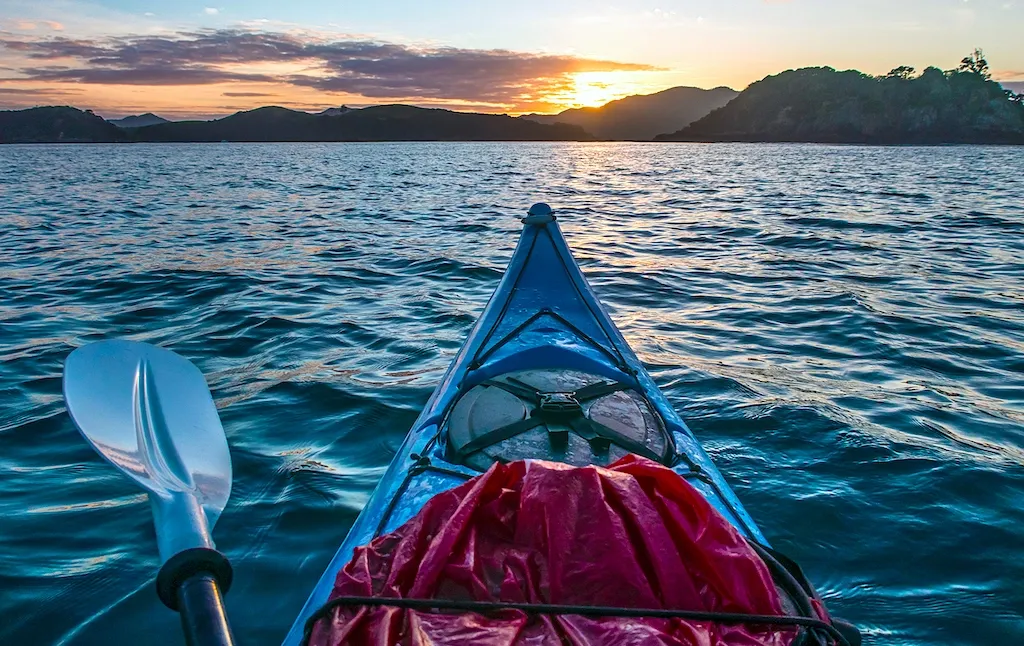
(843, 328)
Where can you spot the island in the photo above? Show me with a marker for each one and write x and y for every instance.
(823, 105)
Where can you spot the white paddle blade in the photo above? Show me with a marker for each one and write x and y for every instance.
(149, 412)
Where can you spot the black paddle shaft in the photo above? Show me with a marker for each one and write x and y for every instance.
(192, 583)
(202, 612)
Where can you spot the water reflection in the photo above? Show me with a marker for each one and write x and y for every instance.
(842, 327)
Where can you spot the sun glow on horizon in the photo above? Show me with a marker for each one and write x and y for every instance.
(594, 89)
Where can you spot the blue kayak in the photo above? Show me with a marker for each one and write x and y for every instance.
(544, 374)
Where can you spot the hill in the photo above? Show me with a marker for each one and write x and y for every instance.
(380, 123)
(822, 105)
(138, 120)
(55, 124)
(641, 117)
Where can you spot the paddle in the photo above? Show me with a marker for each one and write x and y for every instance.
(149, 412)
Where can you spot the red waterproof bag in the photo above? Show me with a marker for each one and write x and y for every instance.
(631, 535)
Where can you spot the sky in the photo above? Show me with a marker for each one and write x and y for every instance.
(214, 57)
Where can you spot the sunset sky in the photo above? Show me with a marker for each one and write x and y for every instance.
(202, 59)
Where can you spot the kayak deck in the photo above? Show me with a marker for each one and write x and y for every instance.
(544, 374)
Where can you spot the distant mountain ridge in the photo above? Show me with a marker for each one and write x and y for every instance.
(643, 116)
(379, 123)
(820, 104)
(336, 112)
(138, 120)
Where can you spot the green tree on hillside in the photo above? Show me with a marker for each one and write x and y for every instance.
(975, 64)
(903, 72)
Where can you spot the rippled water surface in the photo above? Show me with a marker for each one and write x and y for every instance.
(843, 328)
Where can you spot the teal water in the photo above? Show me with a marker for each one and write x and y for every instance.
(842, 327)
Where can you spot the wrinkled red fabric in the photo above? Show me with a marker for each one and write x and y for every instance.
(633, 534)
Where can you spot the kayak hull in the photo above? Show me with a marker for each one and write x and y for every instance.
(543, 316)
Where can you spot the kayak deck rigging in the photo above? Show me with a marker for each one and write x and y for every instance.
(544, 374)
(570, 416)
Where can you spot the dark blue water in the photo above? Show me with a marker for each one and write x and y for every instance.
(843, 328)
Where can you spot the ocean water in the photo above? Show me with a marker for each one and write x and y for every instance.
(842, 327)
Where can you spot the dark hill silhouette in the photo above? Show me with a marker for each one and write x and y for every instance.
(380, 123)
(822, 105)
(138, 120)
(641, 117)
(56, 124)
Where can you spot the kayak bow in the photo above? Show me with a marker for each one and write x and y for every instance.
(544, 374)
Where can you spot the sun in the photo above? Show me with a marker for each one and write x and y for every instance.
(592, 89)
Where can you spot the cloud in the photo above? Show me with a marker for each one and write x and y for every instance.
(210, 11)
(242, 94)
(366, 67)
(17, 91)
(145, 75)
